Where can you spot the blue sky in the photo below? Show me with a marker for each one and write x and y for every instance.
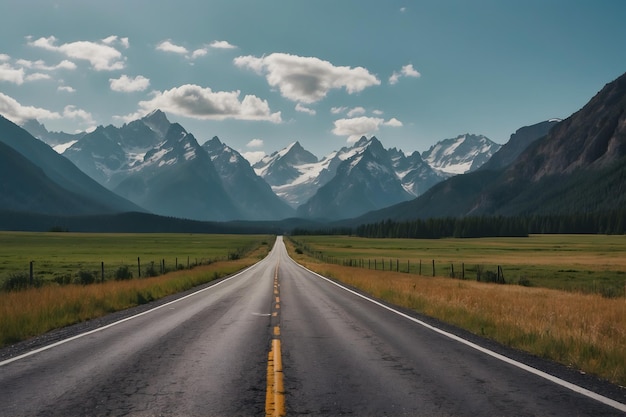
(262, 74)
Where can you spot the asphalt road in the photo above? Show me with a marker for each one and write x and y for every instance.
(341, 354)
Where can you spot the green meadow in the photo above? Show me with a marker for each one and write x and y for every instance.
(578, 263)
(60, 257)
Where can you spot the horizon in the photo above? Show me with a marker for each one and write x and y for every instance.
(260, 78)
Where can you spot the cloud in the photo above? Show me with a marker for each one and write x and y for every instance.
(393, 122)
(168, 46)
(127, 84)
(12, 75)
(255, 143)
(66, 88)
(304, 109)
(17, 113)
(202, 103)
(337, 110)
(4, 57)
(41, 65)
(71, 112)
(115, 39)
(14, 111)
(254, 156)
(356, 127)
(37, 76)
(406, 71)
(222, 45)
(355, 111)
(101, 56)
(307, 79)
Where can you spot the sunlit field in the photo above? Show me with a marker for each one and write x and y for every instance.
(35, 310)
(584, 330)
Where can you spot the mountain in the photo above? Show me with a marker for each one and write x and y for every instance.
(177, 178)
(37, 179)
(294, 173)
(462, 154)
(578, 167)
(255, 198)
(162, 167)
(108, 153)
(59, 141)
(364, 181)
(518, 142)
(414, 173)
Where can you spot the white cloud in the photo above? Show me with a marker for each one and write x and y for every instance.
(355, 111)
(12, 75)
(168, 46)
(37, 76)
(4, 57)
(202, 103)
(255, 143)
(115, 39)
(42, 66)
(71, 112)
(378, 112)
(17, 113)
(66, 88)
(101, 56)
(14, 111)
(307, 79)
(127, 84)
(356, 127)
(406, 71)
(253, 157)
(304, 109)
(222, 45)
(337, 110)
(199, 52)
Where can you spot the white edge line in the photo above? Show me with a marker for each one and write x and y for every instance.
(78, 336)
(580, 390)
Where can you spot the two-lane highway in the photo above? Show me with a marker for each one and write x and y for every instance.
(219, 352)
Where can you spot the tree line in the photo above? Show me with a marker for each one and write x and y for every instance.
(612, 222)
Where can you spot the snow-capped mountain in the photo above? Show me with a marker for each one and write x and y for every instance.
(365, 180)
(161, 167)
(254, 196)
(462, 154)
(59, 141)
(177, 178)
(296, 175)
(109, 154)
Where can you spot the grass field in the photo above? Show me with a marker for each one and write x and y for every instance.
(61, 256)
(36, 310)
(584, 263)
(585, 331)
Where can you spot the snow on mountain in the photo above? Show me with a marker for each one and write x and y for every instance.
(462, 154)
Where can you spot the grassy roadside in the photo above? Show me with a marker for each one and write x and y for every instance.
(583, 331)
(35, 311)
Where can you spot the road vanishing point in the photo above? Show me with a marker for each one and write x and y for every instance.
(279, 340)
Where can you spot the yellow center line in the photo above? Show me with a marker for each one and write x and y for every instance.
(275, 392)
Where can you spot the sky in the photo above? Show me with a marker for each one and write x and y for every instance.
(261, 74)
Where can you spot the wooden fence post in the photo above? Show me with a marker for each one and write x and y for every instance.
(452, 270)
(102, 270)
(138, 268)
(31, 278)
(433, 267)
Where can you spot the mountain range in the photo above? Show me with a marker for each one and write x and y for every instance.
(579, 166)
(153, 165)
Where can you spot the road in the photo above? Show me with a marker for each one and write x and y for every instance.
(279, 339)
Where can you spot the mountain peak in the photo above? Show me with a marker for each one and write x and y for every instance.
(157, 121)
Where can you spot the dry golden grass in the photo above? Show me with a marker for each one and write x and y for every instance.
(35, 311)
(584, 331)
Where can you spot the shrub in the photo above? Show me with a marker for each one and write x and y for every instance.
(85, 277)
(20, 281)
(123, 273)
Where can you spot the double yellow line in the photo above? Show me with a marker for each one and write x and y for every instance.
(275, 394)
